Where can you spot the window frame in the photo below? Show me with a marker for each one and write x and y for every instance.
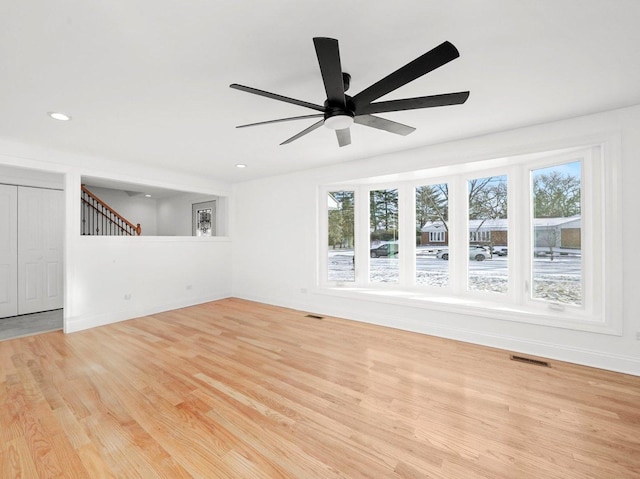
(400, 239)
(601, 279)
(409, 192)
(510, 296)
(588, 242)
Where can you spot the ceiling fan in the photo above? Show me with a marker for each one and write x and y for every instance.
(340, 111)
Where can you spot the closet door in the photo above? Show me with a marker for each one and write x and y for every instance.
(40, 231)
(8, 251)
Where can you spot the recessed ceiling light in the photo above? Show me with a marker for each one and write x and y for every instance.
(240, 165)
(147, 196)
(58, 116)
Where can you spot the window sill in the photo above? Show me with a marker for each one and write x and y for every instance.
(157, 239)
(550, 317)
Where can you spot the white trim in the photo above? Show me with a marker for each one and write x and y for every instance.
(107, 239)
(468, 306)
(80, 323)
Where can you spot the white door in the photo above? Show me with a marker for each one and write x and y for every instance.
(40, 231)
(8, 251)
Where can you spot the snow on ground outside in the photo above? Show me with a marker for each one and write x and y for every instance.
(554, 280)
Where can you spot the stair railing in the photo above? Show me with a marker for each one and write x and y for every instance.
(98, 218)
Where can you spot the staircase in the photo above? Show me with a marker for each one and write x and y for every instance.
(98, 218)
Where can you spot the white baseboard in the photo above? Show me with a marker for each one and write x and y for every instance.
(80, 323)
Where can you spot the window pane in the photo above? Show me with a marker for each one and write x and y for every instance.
(432, 217)
(341, 264)
(488, 232)
(556, 255)
(383, 213)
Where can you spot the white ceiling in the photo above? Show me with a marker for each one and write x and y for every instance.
(147, 81)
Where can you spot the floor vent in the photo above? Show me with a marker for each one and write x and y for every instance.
(536, 362)
(314, 316)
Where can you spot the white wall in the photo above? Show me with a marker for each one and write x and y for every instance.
(23, 177)
(175, 216)
(154, 273)
(116, 278)
(275, 237)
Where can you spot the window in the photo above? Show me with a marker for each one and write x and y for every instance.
(481, 236)
(519, 238)
(432, 216)
(341, 236)
(204, 218)
(383, 236)
(487, 205)
(557, 234)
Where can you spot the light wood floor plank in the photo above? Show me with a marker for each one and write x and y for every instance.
(235, 389)
(16, 461)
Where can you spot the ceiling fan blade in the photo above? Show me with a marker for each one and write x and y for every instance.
(281, 120)
(275, 96)
(384, 124)
(414, 103)
(440, 55)
(344, 137)
(303, 132)
(329, 59)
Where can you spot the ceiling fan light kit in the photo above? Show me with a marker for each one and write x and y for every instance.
(338, 122)
(340, 110)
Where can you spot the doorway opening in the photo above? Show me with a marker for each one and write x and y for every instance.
(31, 251)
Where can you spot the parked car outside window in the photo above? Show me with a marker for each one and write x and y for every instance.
(476, 252)
(500, 250)
(387, 249)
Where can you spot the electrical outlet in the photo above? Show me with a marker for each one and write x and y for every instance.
(638, 335)
(127, 296)
(189, 286)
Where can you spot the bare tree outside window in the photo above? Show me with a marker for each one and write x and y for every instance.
(557, 230)
(432, 234)
(432, 204)
(487, 200)
(341, 260)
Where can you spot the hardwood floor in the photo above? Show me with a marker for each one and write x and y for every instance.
(235, 389)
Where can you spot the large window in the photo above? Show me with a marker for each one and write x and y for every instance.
(341, 236)
(521, 237)
(432, 216)
(383, 236)
(557, 233)
(488, 227)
